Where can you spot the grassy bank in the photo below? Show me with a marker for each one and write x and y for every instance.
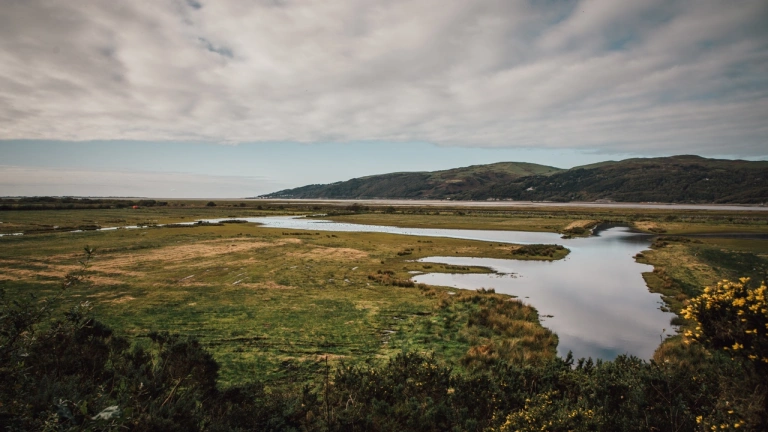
(566, 220)
(683, 266)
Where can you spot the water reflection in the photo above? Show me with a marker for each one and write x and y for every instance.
(598, 300)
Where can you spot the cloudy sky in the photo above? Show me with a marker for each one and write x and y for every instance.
(237, 98)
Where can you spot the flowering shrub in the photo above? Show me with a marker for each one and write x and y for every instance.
(545, 412)
(732, 317)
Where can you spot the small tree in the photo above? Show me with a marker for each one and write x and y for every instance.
(211, 204)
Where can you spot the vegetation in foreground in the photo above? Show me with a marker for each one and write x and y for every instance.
(76, 374)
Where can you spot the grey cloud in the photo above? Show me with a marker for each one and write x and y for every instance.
(688, 76)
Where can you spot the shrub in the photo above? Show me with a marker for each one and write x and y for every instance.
(548, 250)
(732, 317)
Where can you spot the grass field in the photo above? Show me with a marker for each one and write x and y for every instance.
(266, 301)
(655, 221)
(277, 303)
(46, 220)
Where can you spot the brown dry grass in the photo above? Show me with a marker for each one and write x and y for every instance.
(582, 223)
(108, 268)
(53, 271)
(323, 357)
(187, 256)
(104, 280)
(174, 255)
(330, 253)
(120, 300)
(467, 250)
(646, 225)
(269, 285)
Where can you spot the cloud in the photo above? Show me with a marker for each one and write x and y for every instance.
(35, 181)
(687, 76)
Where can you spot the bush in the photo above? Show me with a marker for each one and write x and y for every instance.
(547, 250)
(732, 317)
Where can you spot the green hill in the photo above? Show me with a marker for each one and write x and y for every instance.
(683, 179)
(421, 185)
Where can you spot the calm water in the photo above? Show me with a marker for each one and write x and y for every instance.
(598, 300)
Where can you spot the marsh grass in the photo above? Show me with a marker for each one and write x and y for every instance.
(567, 220)
(264, 301)
(44, 221)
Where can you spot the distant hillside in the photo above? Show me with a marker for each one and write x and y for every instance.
(422, 185)
(690, 179)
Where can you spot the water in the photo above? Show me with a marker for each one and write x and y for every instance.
(599, 304)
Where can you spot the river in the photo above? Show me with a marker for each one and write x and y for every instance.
(595, 299)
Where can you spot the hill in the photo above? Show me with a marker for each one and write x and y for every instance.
(682, 179)
(459, 182)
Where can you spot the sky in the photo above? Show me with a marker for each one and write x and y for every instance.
(234, 98)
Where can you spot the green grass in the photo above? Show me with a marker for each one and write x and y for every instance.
(262, 301)
(556, 219)
(180, 211)
(452, 220)
(683, 266)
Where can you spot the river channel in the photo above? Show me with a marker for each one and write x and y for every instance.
(595, 299)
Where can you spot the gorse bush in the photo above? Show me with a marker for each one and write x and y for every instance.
(732, 317)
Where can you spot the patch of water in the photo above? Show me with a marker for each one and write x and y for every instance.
(595, 300)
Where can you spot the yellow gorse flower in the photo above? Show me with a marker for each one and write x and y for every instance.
(742, 314)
